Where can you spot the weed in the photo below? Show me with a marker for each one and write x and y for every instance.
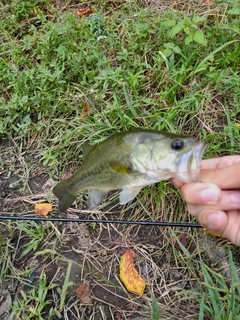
(155, 308)
(172, 68)
(32, 305)
(222, 300)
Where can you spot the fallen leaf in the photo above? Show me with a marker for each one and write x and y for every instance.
(129, 275)
(42, 208)
(83, 12)
(83, 294)
(206, 2)
(86, 110)
(184, 240)
(118, 316)
(148, 74)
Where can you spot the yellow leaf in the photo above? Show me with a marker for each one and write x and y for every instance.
(35, 10)
(213, 233)
(129, 275)
(42, 208)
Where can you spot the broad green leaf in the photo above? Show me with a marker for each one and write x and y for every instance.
(172, 46)
(187, 21)
(234, 11)
(199, 38)
(175, 30)
(168, 23)
(188, 39)
(187, 30)
(167, 52)
(197, 19)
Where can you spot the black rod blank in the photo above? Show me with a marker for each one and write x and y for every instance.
(149, 223)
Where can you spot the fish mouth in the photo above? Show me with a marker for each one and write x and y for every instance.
(189, 169)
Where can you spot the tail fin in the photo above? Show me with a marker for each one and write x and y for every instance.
(64, 196)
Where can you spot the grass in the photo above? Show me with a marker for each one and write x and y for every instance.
(224, 297)
(170, 66)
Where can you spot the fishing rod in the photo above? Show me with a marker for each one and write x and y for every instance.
(147, 223)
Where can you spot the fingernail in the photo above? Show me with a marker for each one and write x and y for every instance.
(235, 197)
(210, 195)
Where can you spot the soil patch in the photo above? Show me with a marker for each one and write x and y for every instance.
(61, 257)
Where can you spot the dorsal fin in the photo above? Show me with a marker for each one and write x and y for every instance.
(86, 149)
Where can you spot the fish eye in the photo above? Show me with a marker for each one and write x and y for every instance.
(177, 145)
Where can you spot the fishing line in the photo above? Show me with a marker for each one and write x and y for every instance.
(147, 223)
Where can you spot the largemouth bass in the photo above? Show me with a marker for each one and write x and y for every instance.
(130, 161)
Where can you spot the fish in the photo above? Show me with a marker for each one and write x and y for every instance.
(130, 161)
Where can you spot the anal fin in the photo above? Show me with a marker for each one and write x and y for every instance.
(95, 198)
(128, 194)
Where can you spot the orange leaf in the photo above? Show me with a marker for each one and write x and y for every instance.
(42, 208)
(129, 275)
(83, 294)
(84, 12)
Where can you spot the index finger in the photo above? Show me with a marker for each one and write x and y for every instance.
(215, 163)
(227, 177)
(210, 171)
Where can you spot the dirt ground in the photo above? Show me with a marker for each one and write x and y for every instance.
(85, 255)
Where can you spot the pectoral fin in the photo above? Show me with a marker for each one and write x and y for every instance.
(120, 168)
(128, 194)
(95, 198)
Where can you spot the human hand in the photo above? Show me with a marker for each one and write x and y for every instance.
(216, 200)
